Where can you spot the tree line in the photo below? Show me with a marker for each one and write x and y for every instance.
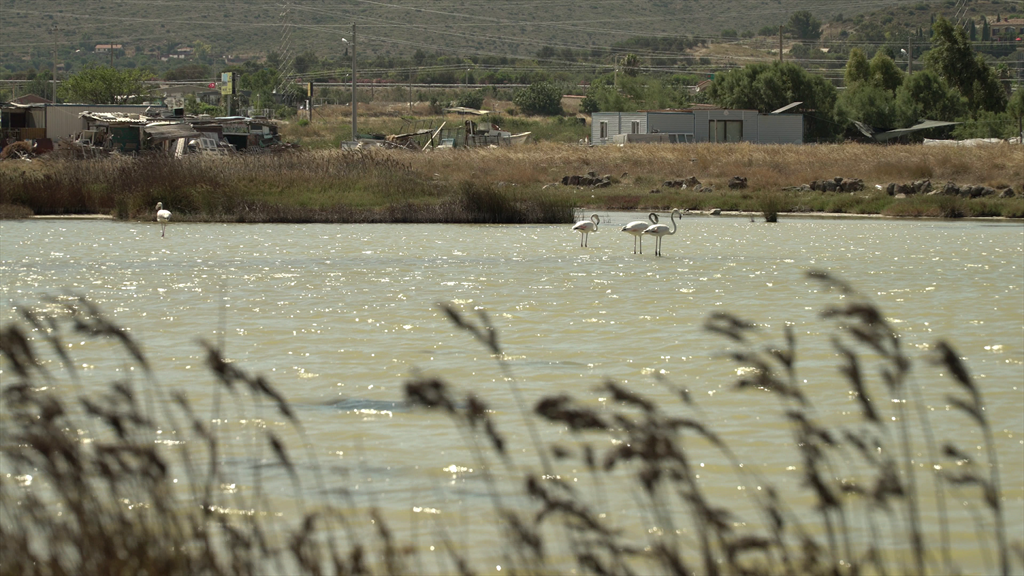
(954, 84)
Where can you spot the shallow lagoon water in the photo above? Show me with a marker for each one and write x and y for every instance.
(339, 316)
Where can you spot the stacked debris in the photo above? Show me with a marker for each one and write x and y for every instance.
(19, 149)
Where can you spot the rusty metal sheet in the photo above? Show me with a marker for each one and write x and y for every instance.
(160, 132)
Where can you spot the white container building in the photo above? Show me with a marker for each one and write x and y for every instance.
(704, 125)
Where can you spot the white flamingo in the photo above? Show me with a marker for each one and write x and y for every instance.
(661, 230)
(637, 227)
(162, 216)
(585, 227)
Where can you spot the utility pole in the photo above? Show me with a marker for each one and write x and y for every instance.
(910, 54)
(780, 43)
(355, 135)
(54, 32)
(111, 54)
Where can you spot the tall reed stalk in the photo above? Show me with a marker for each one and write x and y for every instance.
(855, 474)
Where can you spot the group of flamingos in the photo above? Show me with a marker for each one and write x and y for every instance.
(637, 228)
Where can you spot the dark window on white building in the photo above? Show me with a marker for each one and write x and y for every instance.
(725, 130)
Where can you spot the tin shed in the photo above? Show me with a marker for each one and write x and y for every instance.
(65, 120)
(126, 138)
(781, 128)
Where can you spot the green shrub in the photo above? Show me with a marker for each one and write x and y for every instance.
(471, 99)
(770, 204)
(542, 98)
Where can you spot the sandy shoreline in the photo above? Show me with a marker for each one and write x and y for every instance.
(72, 217)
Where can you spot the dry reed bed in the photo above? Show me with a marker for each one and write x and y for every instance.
(767, 166)
(381, 185)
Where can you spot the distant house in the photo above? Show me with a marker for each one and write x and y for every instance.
(696, 125)
(104, 48)
(182, 52)
(1006, 27)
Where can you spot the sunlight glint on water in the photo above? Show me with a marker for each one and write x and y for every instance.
(338, 316)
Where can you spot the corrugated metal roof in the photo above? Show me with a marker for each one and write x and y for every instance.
(114, 117)
(170, 131)
(921, 125)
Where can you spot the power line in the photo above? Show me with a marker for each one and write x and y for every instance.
(288, 49)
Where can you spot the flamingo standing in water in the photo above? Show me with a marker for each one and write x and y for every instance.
(585, 227)
(162, 216)
(637, 227)
(661, 230)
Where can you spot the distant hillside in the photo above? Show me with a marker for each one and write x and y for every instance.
(560, 31)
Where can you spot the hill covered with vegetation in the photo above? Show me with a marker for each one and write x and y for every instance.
(843, 69)
(454, 41)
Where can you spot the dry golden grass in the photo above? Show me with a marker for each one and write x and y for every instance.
(767, 167)
(319, 183)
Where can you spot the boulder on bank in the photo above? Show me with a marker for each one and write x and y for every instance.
(947, 189)
(910, 188)
(682, 183)
(738, 182)
(590, 179)
(838, 184)
(950, 189)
